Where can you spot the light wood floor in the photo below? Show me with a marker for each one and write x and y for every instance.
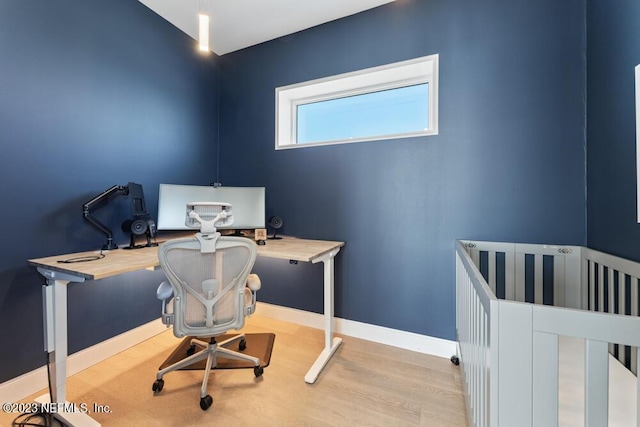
(364, 384)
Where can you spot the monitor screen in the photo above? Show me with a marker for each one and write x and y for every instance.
(247, 204)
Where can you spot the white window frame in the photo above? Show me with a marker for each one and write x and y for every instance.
(390, 76)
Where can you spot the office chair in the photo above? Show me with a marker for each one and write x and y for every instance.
(209, 291)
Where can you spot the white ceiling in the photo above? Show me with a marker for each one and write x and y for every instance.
(236, 24)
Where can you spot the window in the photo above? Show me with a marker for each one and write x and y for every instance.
(392, 101)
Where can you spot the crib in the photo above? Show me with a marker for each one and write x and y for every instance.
(547, 335)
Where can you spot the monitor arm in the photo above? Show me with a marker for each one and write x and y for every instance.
(97, 200)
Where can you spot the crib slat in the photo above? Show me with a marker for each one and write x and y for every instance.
(484, 392)
(574, 282)
(520, 282)
(622, 354)
(601, 288)
(492, 270)
(612, 306)
(538, 276)
(637, 360)
(475, 256)
(611, 290)
(596, 391)
(515, 388)
(634, 283)
(559, 282)
(545, 383)
(510, 276)
(476, 353)
(621, 293)
(592, 286)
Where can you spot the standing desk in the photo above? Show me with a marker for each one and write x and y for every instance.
(58, 275)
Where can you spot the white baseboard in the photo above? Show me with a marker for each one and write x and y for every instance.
(406, 340)
(36, 380)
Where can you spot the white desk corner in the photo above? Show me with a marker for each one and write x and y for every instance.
(313, 251)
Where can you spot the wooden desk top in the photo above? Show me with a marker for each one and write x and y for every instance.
(127, 260)
(115, 262)
(297, 249)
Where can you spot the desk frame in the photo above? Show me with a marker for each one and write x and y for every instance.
(54, 300)
(331, 343)
(58, 276)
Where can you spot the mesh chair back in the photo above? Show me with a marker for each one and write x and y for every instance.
(208, 288)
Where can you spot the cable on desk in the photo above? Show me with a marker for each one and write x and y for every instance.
(85, 258)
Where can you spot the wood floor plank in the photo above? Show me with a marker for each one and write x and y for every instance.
(365, 383)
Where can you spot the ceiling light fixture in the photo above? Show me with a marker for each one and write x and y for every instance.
(204, 32)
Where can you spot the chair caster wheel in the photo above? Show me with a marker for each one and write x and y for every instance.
(257, 371)
(242, 345)
(157, 386)
(205, 402)
(455, 360)
(191, 350)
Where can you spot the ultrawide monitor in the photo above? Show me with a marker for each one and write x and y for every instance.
(247, 203)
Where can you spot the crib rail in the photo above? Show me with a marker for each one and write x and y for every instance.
(475, 315)
(562, 276)
(509, 349)
(527, 271)
(611, 285)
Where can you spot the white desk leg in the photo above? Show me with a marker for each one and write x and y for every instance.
(56, 329)
(331, 343)
(55, 343)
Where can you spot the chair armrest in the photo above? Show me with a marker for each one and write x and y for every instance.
(253, 282)
(165, 294)
(165, 291)
(250, 290)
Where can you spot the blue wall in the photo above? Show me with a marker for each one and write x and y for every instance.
(86, 103)
(509, 163)
(613, 53)
(92, 94)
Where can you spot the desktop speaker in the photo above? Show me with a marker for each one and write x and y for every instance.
(139, 227)
(275, 223)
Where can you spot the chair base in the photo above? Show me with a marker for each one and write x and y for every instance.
(209, 351)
